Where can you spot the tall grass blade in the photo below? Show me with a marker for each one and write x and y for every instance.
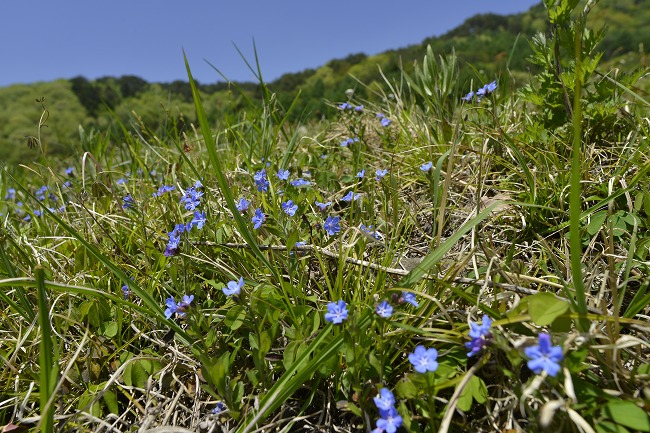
(47, 357)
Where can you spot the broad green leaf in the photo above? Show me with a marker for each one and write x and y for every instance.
(545, 307)
(628, 414)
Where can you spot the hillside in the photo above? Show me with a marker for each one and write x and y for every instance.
(487, 46)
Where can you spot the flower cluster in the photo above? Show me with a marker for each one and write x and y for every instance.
(261, 182)
(164, 189)
(480, 93)
(349, 141)
(258, 219)
(192, 197)
(385, 121)
(180, 308)
(127, 202)
(390, 420)
(480, 336)
(174, 240)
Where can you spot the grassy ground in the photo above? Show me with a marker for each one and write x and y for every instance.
(375, 253)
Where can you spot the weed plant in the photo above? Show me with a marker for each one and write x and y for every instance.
(445, 256)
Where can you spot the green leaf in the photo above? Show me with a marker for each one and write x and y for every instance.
(406, 389)
(479, 390)
(109, 329)
(628, 414)
(545, 307)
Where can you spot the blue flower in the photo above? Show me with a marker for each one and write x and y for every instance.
(480, 335)
(385, 399)
(172, 246)
(384, 309)
(423, 359)
(219, 407)
(258, 219)
(171, 307)
(40, 193)
(69, 171)
(345, 106)
(192, 197)
(544, 357)
(370, 232)
(361, 174)
(127, 292)
(127, 202)
(261, 181)
(358, 108)
(337, 312)
(163, 189)
(351, 196)
(299, 182)
(349, 141)
(468, 97)
(385, 121)
(121, 181)
(242, 204)
(410, 298)
(181, 307)
(198, 220)
(11, 194)
(379, 115)
(289, 207)
(390, 420)
(380, 173)
(426, 166)
(233, 288)
(486, 90)
(332, 225)
(283, 174)
(322, 206)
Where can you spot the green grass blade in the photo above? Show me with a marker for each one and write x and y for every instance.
(48, 366)
(430, 260)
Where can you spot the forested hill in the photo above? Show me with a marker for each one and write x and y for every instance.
(487, 45)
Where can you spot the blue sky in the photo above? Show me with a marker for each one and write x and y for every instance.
(42, 40)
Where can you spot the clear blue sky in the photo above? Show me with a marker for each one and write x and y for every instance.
(42, 40)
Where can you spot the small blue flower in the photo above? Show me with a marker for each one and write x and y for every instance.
(121, 181)
(191, 198)
(242, 204)
(11, 194)
(423, 359)
(258, 219)
(220, 407)
(385, 399)
(332, 225)
(468, 97)
(385, 121)
(69, 171)
(127, 202)
(370, 232)
(544, 356)
(322, 206)
(173, 245)
(261, 181)
(384, 309)
(390, 420)
(379, 115)
(426, 166)
(345, 106)
(350, 196)
(380, 173)
(233, 288)
(171, 307)
(127, 292)
(289, 207)
(198, 220)
(40, 193)
(358, 108)
(410, 298)
(181, 307)
(337, 312)
(163, 189)
(480, 335)
(283, 174)
(349, 141)
(361, 174)
(299, 182)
